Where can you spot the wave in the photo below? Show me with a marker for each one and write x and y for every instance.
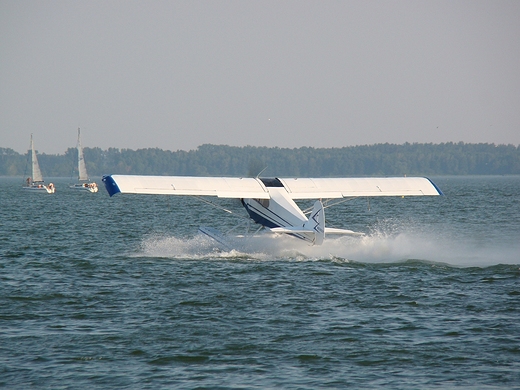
(381, 245)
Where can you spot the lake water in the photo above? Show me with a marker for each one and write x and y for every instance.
(99, 292)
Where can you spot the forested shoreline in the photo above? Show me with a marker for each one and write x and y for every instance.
(222, 160)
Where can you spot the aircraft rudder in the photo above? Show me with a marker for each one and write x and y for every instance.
(316, 222)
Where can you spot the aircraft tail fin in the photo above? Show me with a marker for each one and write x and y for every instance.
(316, 223)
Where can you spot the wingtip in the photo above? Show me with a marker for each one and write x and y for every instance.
(435, 186)
(110, 185)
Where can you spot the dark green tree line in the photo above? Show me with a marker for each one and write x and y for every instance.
(217, 160)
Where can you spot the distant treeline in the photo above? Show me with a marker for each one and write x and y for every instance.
(221, 160)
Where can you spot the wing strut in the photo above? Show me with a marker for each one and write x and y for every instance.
(219, 207)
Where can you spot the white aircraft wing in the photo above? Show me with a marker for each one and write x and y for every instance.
(302, 188)
(328, 188)
(223, 187)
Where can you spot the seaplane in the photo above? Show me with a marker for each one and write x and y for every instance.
(270, 202)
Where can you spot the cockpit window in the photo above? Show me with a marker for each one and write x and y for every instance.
(271, 182)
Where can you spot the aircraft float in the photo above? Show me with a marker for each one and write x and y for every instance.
(270, 202)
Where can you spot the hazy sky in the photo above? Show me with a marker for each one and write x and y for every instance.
(178, 74)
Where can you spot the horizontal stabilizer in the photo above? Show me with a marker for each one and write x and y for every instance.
(343, 232)
(290, 230)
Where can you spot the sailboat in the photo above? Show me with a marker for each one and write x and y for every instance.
(84, 182)
(35, 182)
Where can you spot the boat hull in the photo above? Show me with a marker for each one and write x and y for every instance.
(40, 188)
(89, 187)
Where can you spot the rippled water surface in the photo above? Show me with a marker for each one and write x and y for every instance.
(99, 292)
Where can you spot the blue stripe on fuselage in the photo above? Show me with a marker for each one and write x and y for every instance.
(259, 217)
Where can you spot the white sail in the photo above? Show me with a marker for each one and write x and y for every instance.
(84, 183)
(36, 173)
(82, 169)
